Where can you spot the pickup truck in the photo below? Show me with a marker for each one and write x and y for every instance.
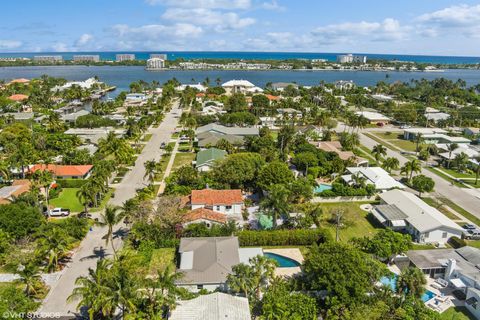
(58, 212)
(472, 234)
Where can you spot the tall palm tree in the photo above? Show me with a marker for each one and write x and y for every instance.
(86, 195)
(411, 282)
(263, 272)
(451, 147)
(241, 279)
(54, 245)
(162, 292)
(30, 277)
(379, 151)
(276, 202)
(151, 170)
(461, 161)
(111, 217)
(411, 167)
(477, 169)
(390, 164)
(44, 178)
(418, 140)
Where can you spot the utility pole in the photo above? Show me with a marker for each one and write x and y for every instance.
(338, 218)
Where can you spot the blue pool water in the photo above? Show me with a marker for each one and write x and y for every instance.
(283, 262)
(392, 283)
(322, 187)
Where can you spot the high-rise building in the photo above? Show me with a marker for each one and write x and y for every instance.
(351, 58)
(162, 56)
(56, 58)
(86, 58)
(125, 57)
(155, 64)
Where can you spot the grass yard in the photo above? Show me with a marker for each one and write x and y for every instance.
(393, 139)
(182, 159)
(104, 201)
(456, 313)
(147, 137)
(161, 258)
(472, 183)
(163, 164)
(457, 174)
(460, 210)
(388, 135)
(473, 243)
(445, 177)
(439, 207)
(68, 199)
(356, 222)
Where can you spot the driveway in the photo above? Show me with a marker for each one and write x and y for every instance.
(93, 246)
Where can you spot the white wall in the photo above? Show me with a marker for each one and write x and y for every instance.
(235, 209)
(437, 236)
(209, 287)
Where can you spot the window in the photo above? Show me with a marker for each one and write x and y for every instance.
(426, 234)
(228, 207)
(199, 286)
(444, 235)
(217, 208)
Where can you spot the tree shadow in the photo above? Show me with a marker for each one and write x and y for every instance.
(98, 253)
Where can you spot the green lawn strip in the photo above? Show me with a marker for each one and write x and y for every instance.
(175, 135)
(182, 159)
(445, 177)
(68, 199)
(473, 243)
(163, 164)
(460, 210)
(472, 183)
(161, 258)
(456, 313)
(457, 174)
(388, 135)
(355, 221)
(382, 142)
(442, 209)
(416, 246)
(147, 137)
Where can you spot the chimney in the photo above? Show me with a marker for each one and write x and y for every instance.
(451, 265)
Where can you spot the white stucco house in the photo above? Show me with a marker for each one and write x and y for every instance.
(229, 202)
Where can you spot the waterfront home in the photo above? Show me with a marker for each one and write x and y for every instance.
(206, 262)
(87, 84)
(336, 147)
(235, 131)
(212, 306)
(280, 86)
(374, 117)
(135, 99)
(206, 159)
(344, 85)
(372, 176)
(18, 187)
(404, 211)
(225, 201)
(200, 87)
(63, 171)
(20, 81)
(238, 86)
(203, 215)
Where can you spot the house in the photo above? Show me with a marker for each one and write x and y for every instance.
(437, 116)
(72, 117)
(471, 131)
(374, 117)
(206, 262)
(200, 87)
(382, 97)
(238, 86)
(345, 85)
(268, 122)
(289, 113)
(280, 86)
(212, 108)
(471, 151)
(87, 84)
(214, 306)
(18, 97)
(207, 158)
(210, 139)
(18, 187)
(21, 81)
(93, 135)
(224, 201)
(412, 133)
(64, 171)
(20, 116)
(404, 211)
(235, 131)
(336, 147)
(203, 215)
(135, 98)
(372, 175)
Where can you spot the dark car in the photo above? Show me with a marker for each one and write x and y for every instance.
(163, 145)
(469, 226)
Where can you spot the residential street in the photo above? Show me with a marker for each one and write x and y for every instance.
(468, 199)
(93, 246)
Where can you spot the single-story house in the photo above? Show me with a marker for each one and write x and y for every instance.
(372, 175)
(289, 112)
(18, 97)
(373, 117)
(470, 151)
(206, 158)
(404, 211)
(268, 122)
(280, 86)
(203, 215)
(210, 139)
(64, 171)
(21, 81)
(344, 84)
(336, 147)
(225, 201)
(214, 306)
(411, 133)
(382, 97)
(18, 187)
(437, 116)
(20, 116)
(93, 135)
(206, 262)
(438, 138)
(238, 86)
(72, 117)
(235, 131)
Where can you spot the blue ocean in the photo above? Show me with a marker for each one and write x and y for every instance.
(141, 55)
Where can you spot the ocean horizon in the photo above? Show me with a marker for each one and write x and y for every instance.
(252, 55)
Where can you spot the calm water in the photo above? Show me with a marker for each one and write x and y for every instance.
(141, 55)
(392, 283)
(122, 76)
(283, 262)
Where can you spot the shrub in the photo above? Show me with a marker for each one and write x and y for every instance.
(456, 242)
(71, 183)
(297, 237)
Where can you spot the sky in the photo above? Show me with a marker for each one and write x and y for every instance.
(425, 27)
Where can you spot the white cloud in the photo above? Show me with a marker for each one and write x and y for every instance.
(207, 4)
(273, 5)
(219, 21)
(60, 47)
(84, 40)
(10, 44)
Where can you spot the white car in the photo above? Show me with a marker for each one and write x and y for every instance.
(58, 212)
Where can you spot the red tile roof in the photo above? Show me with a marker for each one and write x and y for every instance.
(24, 186)
(200, 94)
(63, 170)
(21, 80)
(216, 197)
(272, 97)
(206, 214)
(18, 97)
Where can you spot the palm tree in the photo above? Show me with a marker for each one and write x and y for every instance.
(241, 279)
(411, 282)
(451, 147)
(276, 202)
(44, 178)
(86, 195)
(477, 169)
(379, 151)
(109, 219)
(162, 292)
(30, 277)
(54, 245)
(263, 272)
(412, 166)
(461, 161)
(151, 170)
(390, 164)
(418, 140)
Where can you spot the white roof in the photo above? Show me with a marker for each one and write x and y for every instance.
(255, 89)
(437, 116)
(238, 83)
(371, 115)
(425, 130)
(471, 153)
(214, 306)
(198, 86)
(420, 215)
(374, 175)
(382, 97)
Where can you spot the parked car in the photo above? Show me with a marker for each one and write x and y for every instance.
(84, 214)
(163, 145)
(58, 212)
(472, 234)
(469, 226)
(405, 126)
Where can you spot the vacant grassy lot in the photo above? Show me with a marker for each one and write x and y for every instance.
(161, 258)
(68, 199)
(182, 159)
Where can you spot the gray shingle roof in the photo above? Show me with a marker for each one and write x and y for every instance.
(237, 131)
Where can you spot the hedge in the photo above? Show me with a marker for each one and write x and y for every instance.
(70, 183)
(299, 237)
(456, 242)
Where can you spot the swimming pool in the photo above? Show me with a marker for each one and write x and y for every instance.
(283, 262)
(392, 283)
(322, 187)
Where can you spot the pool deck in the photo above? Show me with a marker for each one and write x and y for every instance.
(292, 253)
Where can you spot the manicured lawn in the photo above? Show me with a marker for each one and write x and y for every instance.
(393, 139)
(161, 258)
(147, 137)
(442, 209)
(456, 313)
(163, 164)
(182, 159)
(456, 174)
(68, 199)
(473, 243)
(472, 183)
(389, 135)
(355, 221)
(445, 177)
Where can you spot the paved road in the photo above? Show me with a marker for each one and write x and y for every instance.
(468, 199)
(93, 246)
